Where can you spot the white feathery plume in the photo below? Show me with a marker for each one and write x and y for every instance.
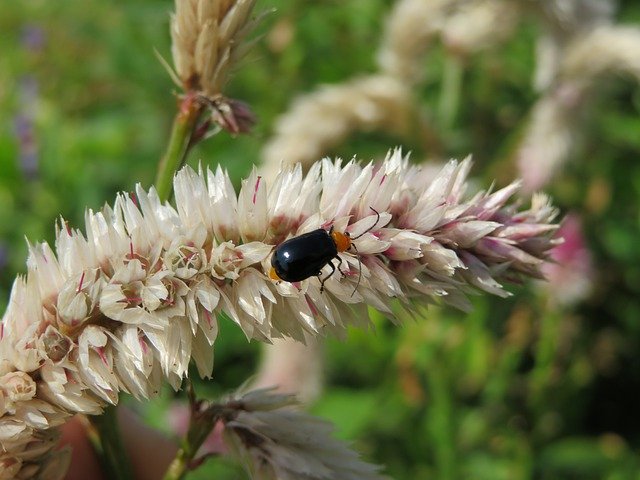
(606, 50)
(321, 120)
(550, 135)
(556, 117)
(479, 25)
(410, 29)
(564, 21)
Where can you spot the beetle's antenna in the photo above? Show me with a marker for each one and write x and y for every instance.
(356, 248)
(372, 226)
(359, 268)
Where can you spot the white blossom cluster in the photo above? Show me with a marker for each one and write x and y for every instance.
(127, 305)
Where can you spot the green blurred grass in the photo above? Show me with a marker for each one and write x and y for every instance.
(512, 391)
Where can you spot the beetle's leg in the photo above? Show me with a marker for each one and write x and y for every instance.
(322, 280)
(344, 274)
(353, 245)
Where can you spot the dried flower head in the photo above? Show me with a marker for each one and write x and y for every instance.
(207, 41)
(277, 442)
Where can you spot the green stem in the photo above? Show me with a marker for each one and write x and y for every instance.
(545, 358)
(108, 443)
(450, 92)
(441, 424)
(181, 132)
(179, 466)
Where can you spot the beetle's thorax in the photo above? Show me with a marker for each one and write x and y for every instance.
(342, 240)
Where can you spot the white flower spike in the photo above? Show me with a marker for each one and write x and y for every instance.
(127, 306)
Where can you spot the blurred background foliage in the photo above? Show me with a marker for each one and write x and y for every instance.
(514, 390)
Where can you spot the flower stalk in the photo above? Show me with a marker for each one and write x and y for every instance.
(450, 91)
(184, 459)
(180, 140)
(107, 442)
(207, 41)
(201, 423)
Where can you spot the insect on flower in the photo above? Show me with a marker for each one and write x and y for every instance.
(306, 255)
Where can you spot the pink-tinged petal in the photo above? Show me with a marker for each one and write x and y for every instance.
(341, 187)
(369, 223)
(252, 208)
(192, 199)
(493, 202)
(524, 231)
(252, 253)
(202, 354)
(503, 250)
(465, 234)
(423, 218)
(322, 304)
(370, 244)
(43, 266)
(479, 275)
(223, 213)
(382, 278)
(438, 258)
(252, 288)
(405, 244)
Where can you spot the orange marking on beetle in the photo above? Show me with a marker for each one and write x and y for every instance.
(273, 275)
(342, 240)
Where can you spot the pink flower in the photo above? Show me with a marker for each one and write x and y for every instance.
(570, 275)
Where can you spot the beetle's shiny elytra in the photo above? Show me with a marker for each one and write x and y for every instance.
(306, 255)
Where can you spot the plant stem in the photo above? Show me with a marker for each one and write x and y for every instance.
(107, 441)
(181, 132)
(441, 424)
(450, 92)
(180, 465)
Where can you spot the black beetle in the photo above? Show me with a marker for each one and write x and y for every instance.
(305, 256)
